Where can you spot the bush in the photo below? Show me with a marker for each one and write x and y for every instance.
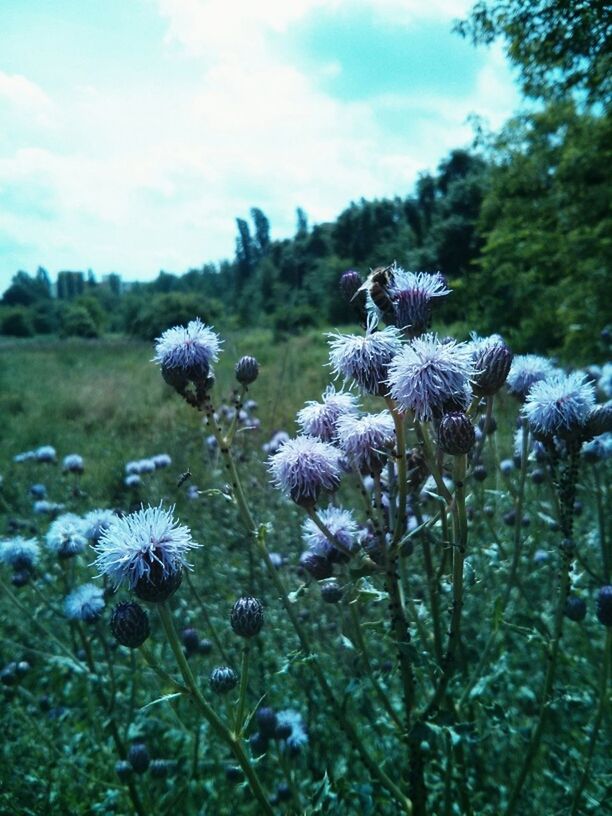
(17, 323)
(76, 321)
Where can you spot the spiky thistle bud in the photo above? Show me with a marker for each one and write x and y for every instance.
(123, 769)
(130, 624)
(575, 608)
(191, 641)
(318, 566)
(456, 434)
(604, 605)
(599, 421)
(223, 679)
(247, 370)
(492, 361)
(267, 721)
(350, 281)
(138, 757)
(247, 616)
(331, 591)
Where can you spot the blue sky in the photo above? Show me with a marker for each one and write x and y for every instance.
(133, 132)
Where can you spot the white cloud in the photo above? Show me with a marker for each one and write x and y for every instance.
(145, 178)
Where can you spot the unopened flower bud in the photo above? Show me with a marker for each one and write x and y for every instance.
(456, 433)
(247, 370)
(247, 616)
(130, 624)
(223, 679)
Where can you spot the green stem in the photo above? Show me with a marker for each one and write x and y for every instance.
(399, 422)
(215, 722)
(606, 551)
(601, 708)
(244, 682)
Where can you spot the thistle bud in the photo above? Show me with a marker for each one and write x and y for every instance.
(247, 370)
(456, 433)
(350, 282)
(604, 605)
(160, 768)
(247, 616)
(123, 769)
(130, 624)
(318, 566)
(223, 679)
(331, 592)
(575, 608)
(480, 473)
(599, 421)
(138, 757)
(191, 641)
(267, 721)
(492, 362)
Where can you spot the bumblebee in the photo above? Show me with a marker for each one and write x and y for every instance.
(377, 284)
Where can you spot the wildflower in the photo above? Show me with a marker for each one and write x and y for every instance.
(161, 460)
(319, 418)
(410, 295)
(132, 468)
(279, 438)
(38, 491)
(46, 453)
(366, 440)
(85, 603)
(42, 506)
(146, 466)
(492, 361)
(290, 722)
(73, 463)
(95, 522)
(185, 354)
(341, 524)
(66, 536)
(365, 359)
(350, 282)
(304, 466)
(525, 371)
(19, 553)
(24, 457)
(559, 406)
(147, 550)
(427, 374)
(133, 480)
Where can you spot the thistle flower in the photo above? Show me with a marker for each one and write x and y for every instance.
(95, 522)
(46, 453)
(26, 456)
(147, 547)
(427, 374)
(66, 536)
(319, 419)
(39, 491)
(73, 463)
(410, 294)
(289, 721)
(366, 440)
(560, 405)
(365, 359)
(304, 466)
(525, 371)
(350, 283)
(161, 460)
(146, 466)
(42, 506)
(85, 603)
(19, 553)
(343, 526)
(185, 354)
(132, 468)
(133, 480)
(492, 361)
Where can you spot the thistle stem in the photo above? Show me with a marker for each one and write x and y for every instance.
(244, 682)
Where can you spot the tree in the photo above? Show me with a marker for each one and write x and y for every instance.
(559, 46)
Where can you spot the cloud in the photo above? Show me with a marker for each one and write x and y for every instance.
(150, 174)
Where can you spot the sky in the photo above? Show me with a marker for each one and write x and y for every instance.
(134, 132)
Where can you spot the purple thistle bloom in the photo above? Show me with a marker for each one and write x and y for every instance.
(304, 466)
(341, 523)
(132, 480)
(146, 466)
(365, 358)
(46, 453)
(133, 545)
(96, 521)
(410, 294)
(427, 375)
(85, 603)
(319, 418)
(525, 371)
(290, 718)
(24, 457)
(66, 535)
(43, 506)
(190, 347)
(162, 460)
(19, 553)
(560, 405)
(366, 440)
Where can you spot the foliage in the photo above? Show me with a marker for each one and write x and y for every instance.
(76, 321)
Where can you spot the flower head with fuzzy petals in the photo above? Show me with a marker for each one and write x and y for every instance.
(149, 540)
(187, 347)
(411, 294)
(525, 371)
(365, 359)
(291, 718)
(366, 440)
(66, 535)
(96, 521)
(341, 523)
(303, 467)
(319, 419)
(19, 553)
(428, 374)
(560, 405)
(85, 603)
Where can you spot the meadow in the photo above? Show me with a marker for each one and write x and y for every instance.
(91, 726)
